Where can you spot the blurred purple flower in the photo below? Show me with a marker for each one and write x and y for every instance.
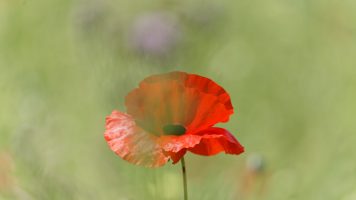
(155, 34)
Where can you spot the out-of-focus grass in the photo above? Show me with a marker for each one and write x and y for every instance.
(288, 65)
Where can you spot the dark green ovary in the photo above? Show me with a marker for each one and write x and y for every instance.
(174, 129)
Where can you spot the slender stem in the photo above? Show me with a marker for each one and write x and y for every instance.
(184, 179)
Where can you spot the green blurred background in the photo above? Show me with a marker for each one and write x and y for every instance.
(289, 66)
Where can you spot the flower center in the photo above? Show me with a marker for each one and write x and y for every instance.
(174, 129)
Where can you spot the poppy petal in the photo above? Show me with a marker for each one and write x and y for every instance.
(131, 142)
(192, 101)
(215, 140)
(208, 112)
(155, 105)
(177, 143)
(176, 156)
(208, 86)
(175, 146)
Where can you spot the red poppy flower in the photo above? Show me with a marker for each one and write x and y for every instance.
(168, 115)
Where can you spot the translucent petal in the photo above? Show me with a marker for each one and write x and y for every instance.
(131, 142)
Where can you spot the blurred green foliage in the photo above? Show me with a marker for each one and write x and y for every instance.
(288, 65)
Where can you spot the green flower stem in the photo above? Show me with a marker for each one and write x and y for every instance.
(184, 179)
